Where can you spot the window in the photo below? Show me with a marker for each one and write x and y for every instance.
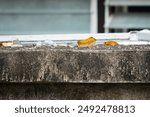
(47, 16)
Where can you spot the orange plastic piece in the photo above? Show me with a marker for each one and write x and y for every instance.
(110, 43)
(87, 42)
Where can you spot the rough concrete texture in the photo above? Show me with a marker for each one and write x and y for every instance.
(95, 64)
(75, 91)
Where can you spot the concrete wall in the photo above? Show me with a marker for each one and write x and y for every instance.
(75, 91)
(121, 72)
(75, 65)
(44, 16)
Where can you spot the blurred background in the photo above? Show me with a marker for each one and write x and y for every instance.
(73, 16)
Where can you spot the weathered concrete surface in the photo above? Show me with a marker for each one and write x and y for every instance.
(95, 64)
(75, 91)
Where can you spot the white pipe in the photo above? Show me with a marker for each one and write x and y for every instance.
(134, 43)
(121, 38)
(66, 37)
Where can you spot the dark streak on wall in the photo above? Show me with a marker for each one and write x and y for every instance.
(74, 91)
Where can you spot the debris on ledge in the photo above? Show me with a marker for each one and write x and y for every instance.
(87, 42)
(110, 43)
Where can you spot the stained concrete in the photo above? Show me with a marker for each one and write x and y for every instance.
(100, 72)
(98, 64)
(75, 91)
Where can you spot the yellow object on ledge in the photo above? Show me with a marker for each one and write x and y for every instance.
(87, 42)
(110, 43)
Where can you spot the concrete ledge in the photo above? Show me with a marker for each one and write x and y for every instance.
(74, 91)
(98, 64)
